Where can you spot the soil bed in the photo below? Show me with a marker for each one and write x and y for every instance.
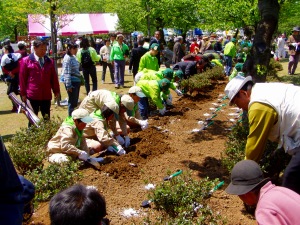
(167, 145)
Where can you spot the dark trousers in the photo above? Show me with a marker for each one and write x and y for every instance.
(111, 70)
(41, 105)
(143, 105)
(119, 71)
(87, 72)
(291, 177)
(73, 97)
(228, 62)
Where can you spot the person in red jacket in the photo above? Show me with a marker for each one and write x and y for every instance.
(37, 78)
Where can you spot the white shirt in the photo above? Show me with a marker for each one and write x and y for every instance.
(6, 60)
(281, 42)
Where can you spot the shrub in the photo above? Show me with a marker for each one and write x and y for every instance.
(235, 145)
(273, 160)
(200, 82)
(28, 145)
(216, 73)
(53, 179)
(179, 197)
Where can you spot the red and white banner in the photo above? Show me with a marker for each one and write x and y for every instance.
(73, 24)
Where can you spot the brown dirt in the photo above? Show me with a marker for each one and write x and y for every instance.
(167, 145)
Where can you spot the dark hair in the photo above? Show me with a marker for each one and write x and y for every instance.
(71, 45)
(247, 86)
(205, 58)
(146, 39)
(106, 112)
(8, 48)
(85, 43)
(240, 60)
(113, 35)
(37, 43)
(210, 56)
(141, 41)
(21, 46)
(77, 205)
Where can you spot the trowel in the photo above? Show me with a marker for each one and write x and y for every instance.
(173, 175)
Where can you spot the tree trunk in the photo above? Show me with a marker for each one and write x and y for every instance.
(258, 60)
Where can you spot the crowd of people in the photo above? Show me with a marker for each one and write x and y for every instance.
(102, 121)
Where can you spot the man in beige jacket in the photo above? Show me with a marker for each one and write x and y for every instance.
(69, 140)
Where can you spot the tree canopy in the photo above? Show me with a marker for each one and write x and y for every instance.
(133, 15)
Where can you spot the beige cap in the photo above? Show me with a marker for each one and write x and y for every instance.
(136, 90)
(82, 114)
(112, 105)
(127, 101)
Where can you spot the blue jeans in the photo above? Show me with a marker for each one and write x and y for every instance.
(228, 63)
(73, 97)
(111, 70)
(143, 105)
(119, 72)
(87, 72)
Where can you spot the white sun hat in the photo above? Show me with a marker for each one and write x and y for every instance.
(82, 114)
(136, 90)
(235, 85)
(128, 102)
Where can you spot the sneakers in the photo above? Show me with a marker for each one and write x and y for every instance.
(117, 86)
(103, 81)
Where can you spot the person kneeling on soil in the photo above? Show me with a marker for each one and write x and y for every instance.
(134, 118)
(69, 140)
(118, 124)
(274, 205)
(96, 134)
(152, 89)
(96, 99)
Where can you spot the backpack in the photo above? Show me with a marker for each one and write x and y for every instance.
(86, 60)
(12, 63)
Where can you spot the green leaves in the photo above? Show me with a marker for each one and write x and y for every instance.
(28, 146)
(183, 200)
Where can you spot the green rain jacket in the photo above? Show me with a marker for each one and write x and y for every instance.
(152, 90)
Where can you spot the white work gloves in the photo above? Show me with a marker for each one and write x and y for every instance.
(120, 151)
(120, 140)
(144, 124)
(127, 141)
(178, 92)
(83, 156)
(169, 100)
(162, 111)
(117, 149)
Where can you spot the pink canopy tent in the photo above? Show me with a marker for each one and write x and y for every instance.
(73, 24)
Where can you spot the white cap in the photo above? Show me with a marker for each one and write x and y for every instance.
(235, 85)
(112, 105)
(82, 114)
(136, 90)
(127, 101)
